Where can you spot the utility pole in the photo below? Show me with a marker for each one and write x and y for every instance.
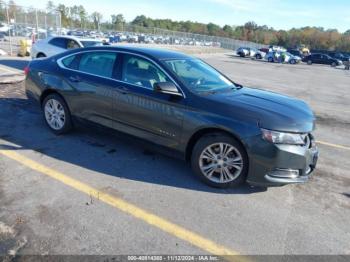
(37, 23)
(9, 30)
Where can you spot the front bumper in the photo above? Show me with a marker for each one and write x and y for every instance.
(277, 165)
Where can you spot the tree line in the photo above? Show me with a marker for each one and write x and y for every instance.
(76, 16)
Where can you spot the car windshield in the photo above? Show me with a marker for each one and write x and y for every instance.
(199, 76)
(90, 43)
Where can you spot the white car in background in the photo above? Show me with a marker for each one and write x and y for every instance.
(4, 28)
(250, 52)
(58, 44)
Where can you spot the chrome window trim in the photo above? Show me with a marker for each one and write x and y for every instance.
(60, 64)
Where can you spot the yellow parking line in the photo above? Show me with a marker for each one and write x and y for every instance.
(333, 145)
(152, 219)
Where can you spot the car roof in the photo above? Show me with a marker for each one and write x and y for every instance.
(74, 38)
(155, 53)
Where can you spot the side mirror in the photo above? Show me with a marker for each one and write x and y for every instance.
(166, 88)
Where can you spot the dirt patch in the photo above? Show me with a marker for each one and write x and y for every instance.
(9, 244)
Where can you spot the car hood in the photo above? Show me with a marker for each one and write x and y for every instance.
(270, 110)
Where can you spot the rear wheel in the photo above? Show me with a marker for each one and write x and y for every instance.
(293, 61)
(334, 64)
(309, 62)
(258, 56)
(40, 55)
(220, 161)
(56, 114)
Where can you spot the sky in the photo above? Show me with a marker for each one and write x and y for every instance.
(280, 14)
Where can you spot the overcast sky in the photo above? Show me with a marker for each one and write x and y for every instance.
(280, 14)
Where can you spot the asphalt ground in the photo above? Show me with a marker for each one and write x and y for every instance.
(96, 193)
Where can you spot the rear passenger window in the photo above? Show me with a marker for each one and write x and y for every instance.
(98, 63)
(70, 62)
(59, 42)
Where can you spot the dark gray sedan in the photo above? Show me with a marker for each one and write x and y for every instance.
(230, 134)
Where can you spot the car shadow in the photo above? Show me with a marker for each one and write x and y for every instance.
(19, 64)
(108, 153)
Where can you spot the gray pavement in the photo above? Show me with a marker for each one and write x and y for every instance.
(39, 215)
(11, 69)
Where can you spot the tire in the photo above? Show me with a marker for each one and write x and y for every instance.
(293, 62)
(309, 62)
(40, 55)
(334, 64)
(270, 59)
(241, 54)
(54, 107)
(233, 167)
(258, 56)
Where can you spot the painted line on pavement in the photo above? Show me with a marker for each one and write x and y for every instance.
(131, 209)
(333, 145)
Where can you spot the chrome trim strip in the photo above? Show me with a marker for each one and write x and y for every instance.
(279, 180)
(60, 64)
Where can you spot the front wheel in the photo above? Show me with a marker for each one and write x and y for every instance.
(56, 114)
(220, 161)
(293, 62)
(334, 64)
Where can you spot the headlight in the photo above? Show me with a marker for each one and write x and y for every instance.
(276, 137)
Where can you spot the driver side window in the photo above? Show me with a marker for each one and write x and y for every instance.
(141, 72)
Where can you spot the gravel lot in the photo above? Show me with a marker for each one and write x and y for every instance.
(39, 215)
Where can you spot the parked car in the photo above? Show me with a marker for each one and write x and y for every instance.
(250, 52)
(276, 48)
(321, 59)
(245, 51)
(290, 58)
(58, 44)
(282, 57)
(272, 56)
(4, 28)
(340, 56)
(296, 52)
(2, 37)
(259, 54)
(264, 50)
(229, 133)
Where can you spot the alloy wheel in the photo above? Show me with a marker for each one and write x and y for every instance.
(221, 162)
(54, 114)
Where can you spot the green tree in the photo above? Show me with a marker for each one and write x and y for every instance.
(50, 7)
(82, 15)
(96, 19)
(2, 12)
(118, 21)
(64, 12)
(213, 29)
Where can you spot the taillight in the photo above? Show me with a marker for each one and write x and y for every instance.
(26, 70)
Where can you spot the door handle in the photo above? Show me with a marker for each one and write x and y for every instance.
(74, 79)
